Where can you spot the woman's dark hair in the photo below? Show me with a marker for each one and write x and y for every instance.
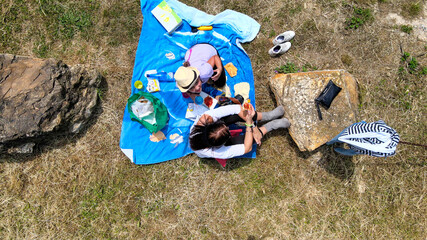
(210, 135)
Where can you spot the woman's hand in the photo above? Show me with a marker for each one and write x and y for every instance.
(204, 120)
(257, 135)
(215, 61)
(249, 114)
(217, 73)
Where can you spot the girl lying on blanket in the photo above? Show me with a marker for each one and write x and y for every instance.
(210, 136)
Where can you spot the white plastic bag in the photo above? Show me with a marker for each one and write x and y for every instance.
(142, 108)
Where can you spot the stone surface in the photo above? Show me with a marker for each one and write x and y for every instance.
(43, 96)
(296, 93)
(26, 148)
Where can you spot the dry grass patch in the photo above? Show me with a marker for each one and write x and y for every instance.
(83, 187)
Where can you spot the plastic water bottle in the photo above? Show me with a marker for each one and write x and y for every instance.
(162, 76)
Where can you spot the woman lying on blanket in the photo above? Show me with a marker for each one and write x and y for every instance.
(202, 63)
(206, 59)
(211, 138)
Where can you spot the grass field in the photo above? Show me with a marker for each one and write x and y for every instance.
(83, 187)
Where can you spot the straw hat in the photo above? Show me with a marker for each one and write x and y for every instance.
(186, 78)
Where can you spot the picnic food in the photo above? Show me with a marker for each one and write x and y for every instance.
(204, 28)
(246, 106)
(208, 101)
(231, 69)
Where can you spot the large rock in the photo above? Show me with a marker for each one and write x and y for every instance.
(43, 96)
(297, 91)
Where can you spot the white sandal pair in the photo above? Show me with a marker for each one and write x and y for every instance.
(281, 43)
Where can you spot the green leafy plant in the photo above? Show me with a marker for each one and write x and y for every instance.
(287, 68)
(410, 64)
(405, 57)
(354, 23)
(359, 18)
(292, 68)
(406, 29)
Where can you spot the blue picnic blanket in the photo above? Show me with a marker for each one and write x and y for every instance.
(165, 52)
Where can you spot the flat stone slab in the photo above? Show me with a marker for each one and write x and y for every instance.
(296, 93)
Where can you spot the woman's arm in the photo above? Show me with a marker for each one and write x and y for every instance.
(249, 138)
(223, 111)
(217, 113)
(216, 61)
(223, 152)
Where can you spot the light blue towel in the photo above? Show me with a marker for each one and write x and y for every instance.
(243, 26)
(163, 52)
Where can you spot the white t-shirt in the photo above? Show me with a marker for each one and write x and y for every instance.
(223, 152)
(198, 57)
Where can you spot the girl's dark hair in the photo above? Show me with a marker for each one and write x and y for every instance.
(186, 64)
(210, 135)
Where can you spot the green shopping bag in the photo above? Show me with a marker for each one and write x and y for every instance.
(153, 117)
